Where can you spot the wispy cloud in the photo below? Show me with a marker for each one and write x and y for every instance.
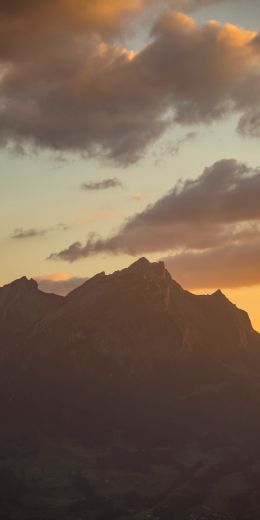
(173, 147)
(31, 233)
(23, 234)
(106, 184)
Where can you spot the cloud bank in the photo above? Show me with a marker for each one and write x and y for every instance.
(232, 265)
(202, 224)
(70, 86)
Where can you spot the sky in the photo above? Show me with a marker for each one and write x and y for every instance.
(131, 128)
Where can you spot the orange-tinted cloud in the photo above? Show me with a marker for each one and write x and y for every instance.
(138, 196)
(100, 216)
(50, 16)
(66, 86)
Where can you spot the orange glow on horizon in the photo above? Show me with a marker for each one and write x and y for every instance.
(56, 277)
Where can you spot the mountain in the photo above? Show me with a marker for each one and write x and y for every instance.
(21, 306)
(133, 363)
(137, 309)
(139, 305)
(132, 337)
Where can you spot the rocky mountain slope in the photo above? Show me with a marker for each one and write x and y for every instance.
(128, 398)
(140, 309)
(22, 305)
(133, 341)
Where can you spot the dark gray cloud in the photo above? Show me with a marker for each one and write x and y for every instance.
(101, 185)
(67, 87)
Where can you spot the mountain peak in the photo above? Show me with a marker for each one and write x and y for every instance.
(140, 263)
(219, 295)
(23, 283)
(143, 265)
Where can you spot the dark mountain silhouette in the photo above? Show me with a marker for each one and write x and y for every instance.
(133, 356)
(132, 339)
(138, 308)
(21, 306)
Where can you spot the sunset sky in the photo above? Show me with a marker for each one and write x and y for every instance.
(131, 128)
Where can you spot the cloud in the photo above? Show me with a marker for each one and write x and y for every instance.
(102, 16)
(192, 5)
(59, 283)
(173, 148)
(208, 226)
(220, 205)
(70, 86)
(249, 124)
(233, 265)
(21, 233)
(102, 185)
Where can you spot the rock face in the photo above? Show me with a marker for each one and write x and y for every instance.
(122, 348)
(22, 305)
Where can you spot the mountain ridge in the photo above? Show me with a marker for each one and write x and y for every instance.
(133, 318)
(143, 293)
(142, 265)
